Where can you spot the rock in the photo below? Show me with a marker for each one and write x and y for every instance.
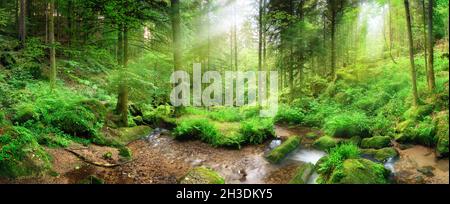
(302, 174)
(202, 175)
(127, 135)
(426, 170)
(381, 155)
(376, 142)
(359, 171)
(277, 154)
(325, 143)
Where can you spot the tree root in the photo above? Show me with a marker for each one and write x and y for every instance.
(99, 164)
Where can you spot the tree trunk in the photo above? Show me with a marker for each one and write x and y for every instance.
(424, 32)
(430, 71)
(411, 55)
(52, 43)
(260, 35)
(176, 34)
(22, 21)
(333, 44)
(122, 99)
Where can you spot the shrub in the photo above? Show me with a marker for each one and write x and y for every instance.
(289, 115)
(20, 153)
(257, 130)
(277, 154)
(201, 129)
(422, 133)
(225, 115)
(336, 157)
(347, 125)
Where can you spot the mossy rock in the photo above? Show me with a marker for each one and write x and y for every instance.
(202, 175)
(127, 135)
(325, 143)
(381, 155)
(311, 135)
(319, 162)
(442, 134)
(303, 173)
(376, 142)
(402, 126)
(423, 133)
(359, 171)
(418, 113)
(277, 154)
(96, 107)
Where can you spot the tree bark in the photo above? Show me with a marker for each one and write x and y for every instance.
(411, 55)
(52, 43)
(425, 42)
(122, 99)
(430, 71)
(176, 34)
(22, 21)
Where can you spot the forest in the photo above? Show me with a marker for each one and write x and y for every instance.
(361, 89)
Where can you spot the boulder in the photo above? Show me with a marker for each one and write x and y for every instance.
(376, 142)
(277, 154)
(303, 173)
(127, 135)
(202, 175)
(359, 171)
(381, 155)
(325, 143)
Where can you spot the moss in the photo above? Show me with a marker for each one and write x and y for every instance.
(325, 143)
(127, 135)
(422, 133)
(359, 171)
(302, 174)
(20, 153)
(376, 142)
(442, 133)
(125, 153)
(256, 131)
(96, 107)
(402, 126)
(381, 155)
(311, 135)
(418, 113)
(277, 154)
(202, 175)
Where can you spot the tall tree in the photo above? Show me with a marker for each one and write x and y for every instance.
(430, 71)
(424, 32)
(176, 34)
(22, 21)
(51, 31)
(411, 54)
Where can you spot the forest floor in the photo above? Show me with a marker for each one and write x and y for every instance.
(164, 160)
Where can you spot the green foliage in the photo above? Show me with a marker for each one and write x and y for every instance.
(287, 114)
(280, 152)
(347, 125)
(257, 130)
(381, 155)
(336, 157)
(20, 153)
(197, 129)
(423, 132)
(225, 114)
(359, 171)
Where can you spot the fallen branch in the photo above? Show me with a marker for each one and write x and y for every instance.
(99, 164)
